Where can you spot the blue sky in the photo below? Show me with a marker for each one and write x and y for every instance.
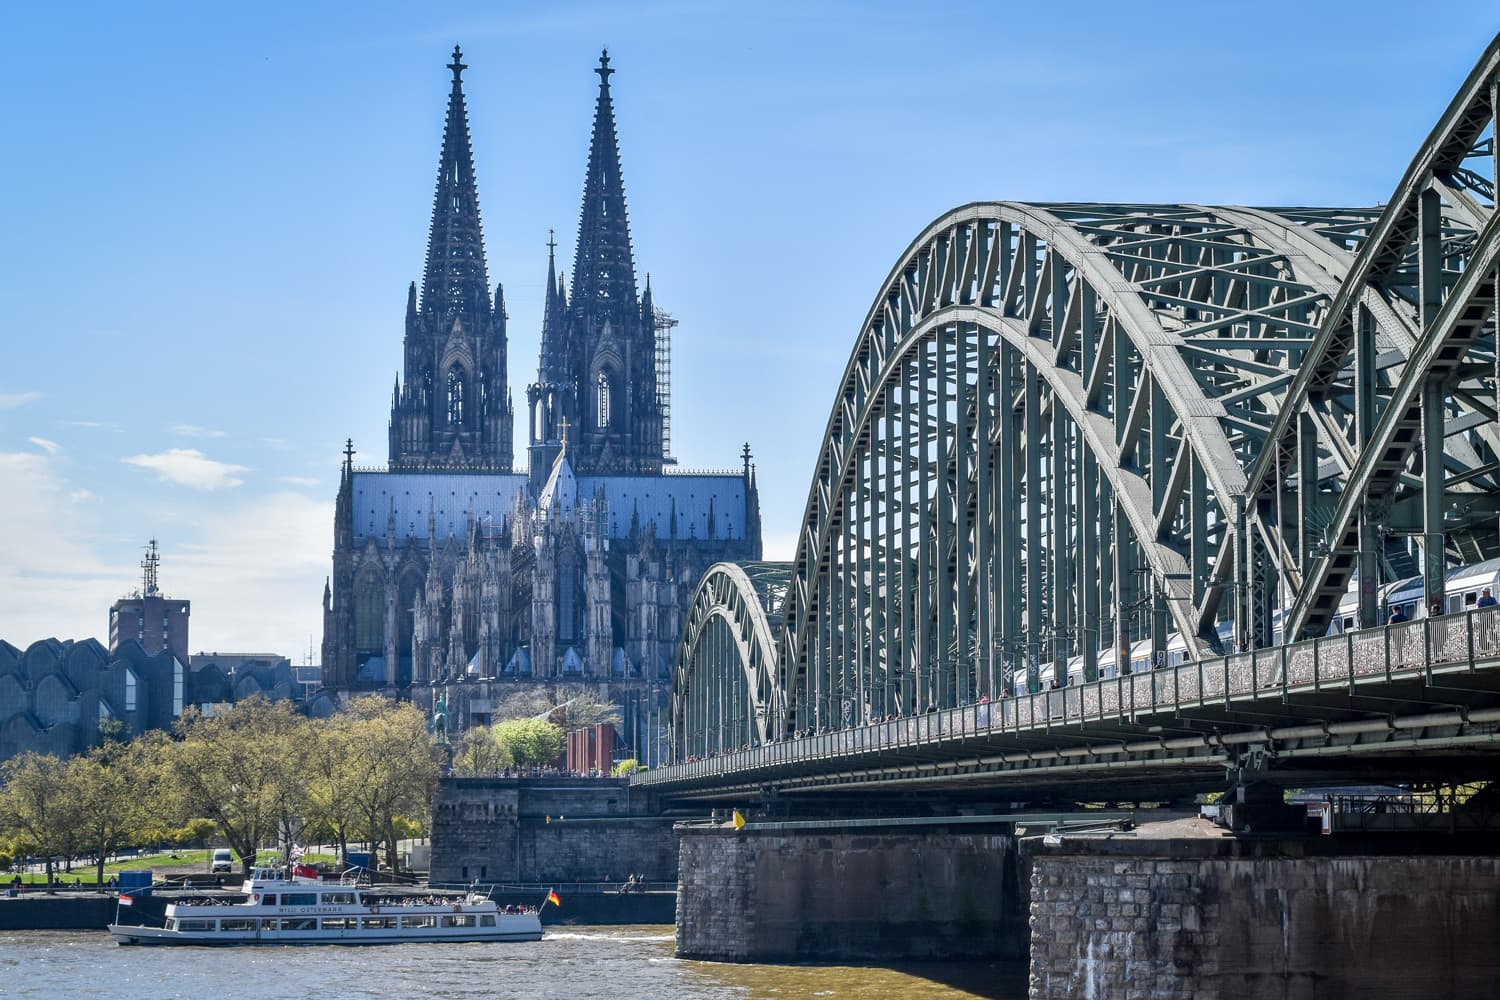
(211, 214)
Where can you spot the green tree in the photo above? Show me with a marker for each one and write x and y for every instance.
(571, 706)
(112, 788)
(625, 768)
(36, 809)
(196, 832)
(394, 769)
(244, 769)
(481, 753)
(530, 742)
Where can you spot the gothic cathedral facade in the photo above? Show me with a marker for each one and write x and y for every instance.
(455, 574)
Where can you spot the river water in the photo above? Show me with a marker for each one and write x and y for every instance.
(577, 963)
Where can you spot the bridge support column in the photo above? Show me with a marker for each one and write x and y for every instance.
(1210, 919)
(775, 893)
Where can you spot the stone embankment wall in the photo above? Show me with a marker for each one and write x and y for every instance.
(893, 895)
(1204, 928)
(549, 830)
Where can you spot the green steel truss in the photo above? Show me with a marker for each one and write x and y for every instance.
(1067, 430)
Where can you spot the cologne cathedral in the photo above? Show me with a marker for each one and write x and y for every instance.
(456, 575)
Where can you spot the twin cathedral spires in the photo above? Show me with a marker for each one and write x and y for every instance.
(596, 381)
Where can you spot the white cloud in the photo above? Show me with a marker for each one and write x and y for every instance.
(193, 430)
(50, 447)
(256, 578)
(52, 581)
(307, 481)
(189, 467)
(15, 400)
(254, 568)
(92, 425)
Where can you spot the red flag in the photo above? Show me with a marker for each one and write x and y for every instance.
(126, 901)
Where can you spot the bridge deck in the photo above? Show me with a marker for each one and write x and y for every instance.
(1401, 700)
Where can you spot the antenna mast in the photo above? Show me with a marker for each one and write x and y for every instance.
(149, 566)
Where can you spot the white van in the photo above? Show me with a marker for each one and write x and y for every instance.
(223, 860)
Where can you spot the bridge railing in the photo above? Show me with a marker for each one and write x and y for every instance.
(1409, 650)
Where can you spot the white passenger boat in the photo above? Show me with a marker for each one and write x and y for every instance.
(292, 909)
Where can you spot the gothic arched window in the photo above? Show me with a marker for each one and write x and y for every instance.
(455, 395)
(369, 614)
(603, 389)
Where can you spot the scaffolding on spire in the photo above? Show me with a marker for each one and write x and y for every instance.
(662, 322)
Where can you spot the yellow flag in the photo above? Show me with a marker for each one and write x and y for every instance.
(739, 820)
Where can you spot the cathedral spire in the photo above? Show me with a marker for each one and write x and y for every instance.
(455, 280)
(603, 268)
(554, 321)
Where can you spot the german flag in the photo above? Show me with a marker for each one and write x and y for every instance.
(554, 898)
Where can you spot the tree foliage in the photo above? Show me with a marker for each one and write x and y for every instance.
(570, 706)
(35, 811)
(530, 742)
(243, 769)
(518, 742)
(393, 767)
(112, 790)
(481, 753)
(256, 774)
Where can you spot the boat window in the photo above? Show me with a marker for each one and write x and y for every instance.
(379, 923)
(171, 924)
(300, 924)
(340, 923)
(300, 899)
(486, 921)
(196, 925)
(268, 925)
(427, 921)
(268, 900)
(237, 924)
(459, 920)
(338, 897)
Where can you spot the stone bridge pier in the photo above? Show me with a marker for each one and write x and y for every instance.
(810, 892)
(1182, 919)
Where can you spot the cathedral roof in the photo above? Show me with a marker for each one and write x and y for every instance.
(562, 486)
(489, 498)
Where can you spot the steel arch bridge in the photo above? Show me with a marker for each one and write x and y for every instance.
(1091, 434)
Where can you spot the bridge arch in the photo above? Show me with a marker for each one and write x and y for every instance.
(726, 690)
(1148, 345)
(1070, 431)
